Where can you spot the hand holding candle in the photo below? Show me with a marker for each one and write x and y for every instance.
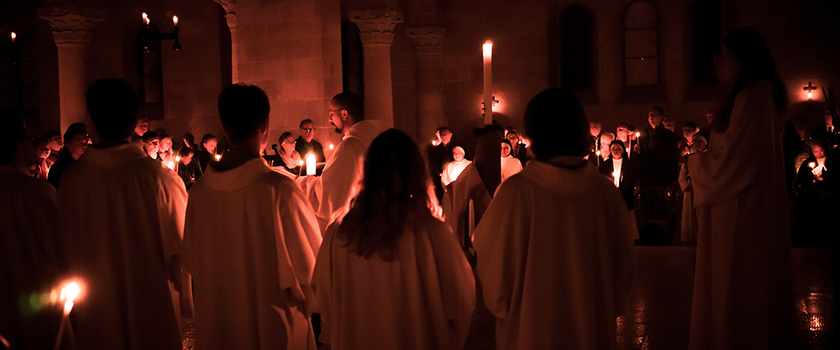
(218, 157)
(69, 293)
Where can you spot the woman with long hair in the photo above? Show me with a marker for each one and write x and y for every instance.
(390, 274)
(742, 290)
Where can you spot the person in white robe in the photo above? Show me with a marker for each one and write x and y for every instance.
(742, 289)
(391, 274)
(554, 248)
(123, 215)
(343, 171)
(31, 260)
(454, 168)
(509, 165)
(251, 239)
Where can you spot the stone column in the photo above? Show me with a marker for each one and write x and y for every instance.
(72, 27)
(428, 48)
(230, 15)
(376, 29)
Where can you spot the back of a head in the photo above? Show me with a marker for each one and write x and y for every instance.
(242, 110)
(658, 110)
(556, 124)
(756, 63)
(72, 131)
(113, 107)
(12, 131)
(395, 186)
(352, 103)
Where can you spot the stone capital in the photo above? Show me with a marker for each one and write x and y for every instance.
(70, 24)
(376, 26)
(428, 41)
(230, 12)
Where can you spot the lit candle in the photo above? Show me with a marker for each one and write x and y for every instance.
(146, 20)
(616, 176)
(310, 164)
(69, 294)
(14, 36)
(218, 157)
(177, 158)
(434, 143)
(170, 164)
(487, 48)
(598, 155)
(331, 147)
(175, 20)
(810, 95)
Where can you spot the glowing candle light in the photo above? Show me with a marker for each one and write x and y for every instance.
(218, 157)
(487, 49)
(310, 164)
(331, 147)
(638, 134)
(812, 165)
(300, 163)
(177, 158)
(598, 155)
(616, 176)
(146, 20)
(434, 143)
(69, 293)
(175, 20)
(14, 36)
(810, 95)
(170, 164)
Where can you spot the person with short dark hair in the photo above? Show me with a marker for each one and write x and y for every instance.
(151, 144)
(339, 180)
(188, 170)
(189, 141)
(251, 236)
(554, 246)
(207, 150)
(122, 214)
(42, 152)
(56, 145)
(75, 145)
(659, 156)
(30, 243)
(390, 264)
(306, 142)
(742, 284)
(689, 131)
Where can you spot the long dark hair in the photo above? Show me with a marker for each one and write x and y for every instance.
(749, 47)
(395, 191)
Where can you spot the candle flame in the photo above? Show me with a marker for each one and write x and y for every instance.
(810, 95)
(146, 18)
(300, 163)
(171, 165)
(487, 48)
(434, 143)
(598, 152)
(175, 20)
(638, 134)
(218, 157)
(14, 36)
(812, 165)
(177, 158)
(331, 146)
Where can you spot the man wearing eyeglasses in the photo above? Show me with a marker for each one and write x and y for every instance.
(306, 143)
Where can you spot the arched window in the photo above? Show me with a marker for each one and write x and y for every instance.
(705, 39)
(577, 56)
(641, 45)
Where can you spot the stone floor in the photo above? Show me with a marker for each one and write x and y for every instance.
(659, 307)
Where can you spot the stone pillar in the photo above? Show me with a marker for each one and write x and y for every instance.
(72, 27)
(430, 74)
(230, 15)
(376, 29)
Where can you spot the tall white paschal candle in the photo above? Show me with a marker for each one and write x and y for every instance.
(310, 164)
(487, 48)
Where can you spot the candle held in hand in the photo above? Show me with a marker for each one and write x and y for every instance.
(616, 177)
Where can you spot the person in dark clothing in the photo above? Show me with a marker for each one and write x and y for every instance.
(188, 168)
(141, 129)
(306, 143)
(659, 153)
(813, 218)
(439, 154)
(619, 164)
(207, 151)
(75, 144)
(827, 132)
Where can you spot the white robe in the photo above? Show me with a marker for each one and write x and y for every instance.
(123, 215)
(340, 179)
(510, 166)
(251, 240)
(422, 300)
(31, 260)
(554, 258)
(742, 292)
(452, 170)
